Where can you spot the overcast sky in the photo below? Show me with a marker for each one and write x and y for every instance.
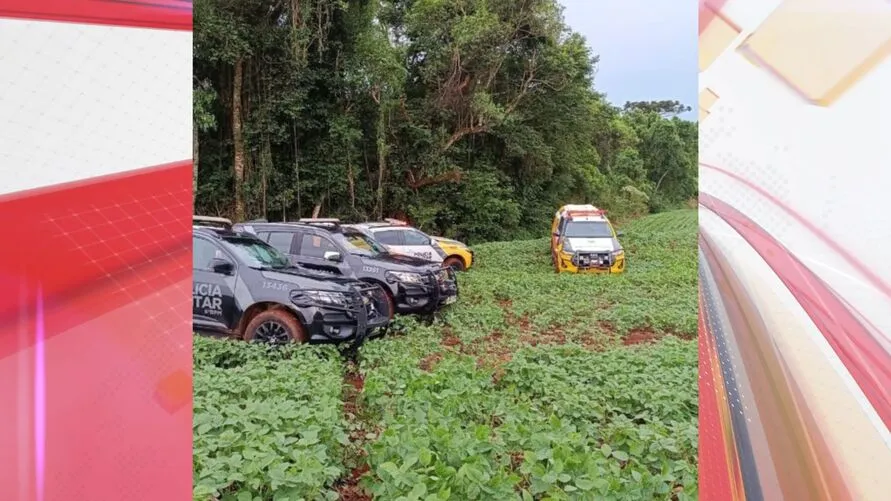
(647, 48)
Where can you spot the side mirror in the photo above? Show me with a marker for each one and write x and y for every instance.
(333, 256)
(222, 266)
(620, 233)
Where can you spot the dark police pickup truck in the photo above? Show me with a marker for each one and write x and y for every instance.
(245, 288)
(412, 285)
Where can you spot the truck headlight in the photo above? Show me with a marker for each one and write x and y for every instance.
(321, 298)
(406, 277)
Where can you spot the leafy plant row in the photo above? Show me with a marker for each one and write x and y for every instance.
(556, 423)
(523, 390)
(267, 423)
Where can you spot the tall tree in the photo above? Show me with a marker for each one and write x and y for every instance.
(473, 118)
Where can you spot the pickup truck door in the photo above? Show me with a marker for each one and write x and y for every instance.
(214, 307)
(409, 242)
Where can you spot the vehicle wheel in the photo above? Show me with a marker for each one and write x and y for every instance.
(391, 304)
(275, 327)
(454, 263)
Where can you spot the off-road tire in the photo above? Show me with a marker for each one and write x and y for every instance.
(388, 297)
(280, 318)
(455, 263)
(391, 303)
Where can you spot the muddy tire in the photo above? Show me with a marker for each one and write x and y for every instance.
(388, 298)
(455, 263)
(391, 303)
(275, 327)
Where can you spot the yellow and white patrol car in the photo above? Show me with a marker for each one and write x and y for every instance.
(401, 238)
(584, 241)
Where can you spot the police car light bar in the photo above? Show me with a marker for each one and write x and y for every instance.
(396, 222)
(320, 221)
(583, 213)
(212, 221)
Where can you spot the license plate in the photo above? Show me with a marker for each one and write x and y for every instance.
(451, 299)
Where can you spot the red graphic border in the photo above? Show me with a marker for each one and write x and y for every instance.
(95, 338)
(159, 14)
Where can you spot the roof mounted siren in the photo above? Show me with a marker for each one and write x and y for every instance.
(319, 221)
(585, 213)
(214, 222)
(396, 222)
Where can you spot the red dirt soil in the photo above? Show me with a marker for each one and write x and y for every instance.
(505, 304)
(355, 380)
(429, 362)
(351, 491)
(593, 342)
(451, 340)
(351, 400)
(516, 459)
(684, 336)
(640, 336)
(552, 337)
(496, 349)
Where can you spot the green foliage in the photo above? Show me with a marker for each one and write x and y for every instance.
(510, 397)
(657, 289)
(523, 390)
(473, 118)
(561, 422)
(667, 107)
(267, 423)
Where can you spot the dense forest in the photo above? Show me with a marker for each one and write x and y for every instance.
(472, 118)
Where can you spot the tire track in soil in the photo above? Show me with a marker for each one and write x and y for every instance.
(348, 487)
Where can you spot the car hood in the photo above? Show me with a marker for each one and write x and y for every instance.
(592, 244)
(304, 279)
(449, 241)
(399, 262)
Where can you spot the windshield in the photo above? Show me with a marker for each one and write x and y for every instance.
(359, 243)
(587, 229)
(257, 254)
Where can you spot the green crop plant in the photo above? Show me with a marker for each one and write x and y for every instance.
(535, 386)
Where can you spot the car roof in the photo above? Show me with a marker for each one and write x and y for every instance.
(587, 218)
(379, 226)
(292, 225)
(578, 207)
(579, 212)
(386, 223)
(212, 231)
(211, 222)
(219, 233)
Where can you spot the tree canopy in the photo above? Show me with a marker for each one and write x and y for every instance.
(472, 118)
